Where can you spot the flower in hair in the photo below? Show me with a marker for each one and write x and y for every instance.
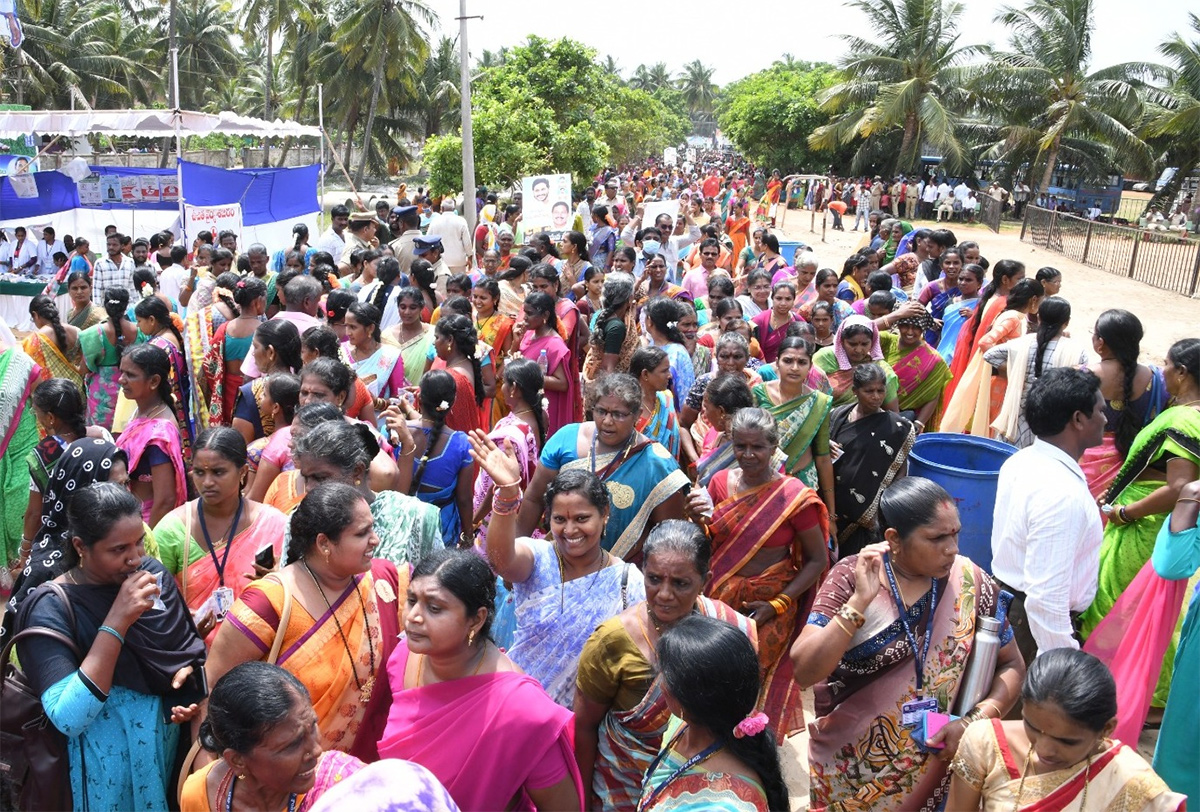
(751, 726)
(443, 406)
(241, 283)
(545, 404)
(671, 325)
(147, 289)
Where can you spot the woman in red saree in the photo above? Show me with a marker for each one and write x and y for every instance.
(540, 335)
(769, 533)
(456, 342)
(1005, 274)
(571, 328)
(339, 615)
(1071, 697)
(210, 543)
(462, 709)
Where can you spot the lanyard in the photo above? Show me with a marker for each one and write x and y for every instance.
(687, 765)
(229, 798)
(920, 654)
(237, 517)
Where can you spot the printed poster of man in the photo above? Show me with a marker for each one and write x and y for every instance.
(546, 204)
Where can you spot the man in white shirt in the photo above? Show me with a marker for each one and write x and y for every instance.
(46, 250)
(671, 243)
(456, 237)
(1046, 530)
(172, 273)
(333, 240)
(929, 198)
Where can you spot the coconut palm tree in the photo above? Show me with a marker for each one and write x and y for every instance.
(640, 79)
(1175, 113)
(1050, 104)
(207, 58)
(695, 82)
(613, 69)
(387, 39)
(659, 76)
(433, 108)
(902, 88)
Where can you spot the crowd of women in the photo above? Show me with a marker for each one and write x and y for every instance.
(576, 532)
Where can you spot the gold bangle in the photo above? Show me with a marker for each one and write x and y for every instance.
(785, 597)
(989, 703)
(507, 484)
(838, 620)
(410, 451)
(852, 615)
(1187, 499)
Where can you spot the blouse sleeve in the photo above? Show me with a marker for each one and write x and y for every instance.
(599, 676)
(560, 448)
(169, 533)
(820, 443)
(806, 519)
(834, 592)
(614, 336)
(1176, 555)
(972, 762)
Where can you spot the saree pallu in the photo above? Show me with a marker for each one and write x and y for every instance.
(51, 359)
(482, 736)
(41, 460)
(570, 325)
(494, 331)
(512, 301)
(629, 740)
(143, 432)
(740, 527)
(562, 405)
(83, 319)
(1127, 548)
(662, 426)
(414, 353)
(860, 756)
(800, 421)
(923, 376)
(1116, 779)
(408, 529)
(223, 386)
(180, 392)
(101, 359)
(1100, 465)
(975, 396)
(193, 566)
(967, 345)
(841, 380)
(18, 377)
(555, 619)
(285, 492)
(874, 448)
(644, 481)
(952, 325)
(383, 372)
(738, 231)
(315, 652)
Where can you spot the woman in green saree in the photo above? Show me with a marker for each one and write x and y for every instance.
(803, 417)
(921, 373)
(1164, 457)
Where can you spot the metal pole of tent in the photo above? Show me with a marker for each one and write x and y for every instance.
(178, 116)
(321, 126)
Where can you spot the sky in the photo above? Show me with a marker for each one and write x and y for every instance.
(751, 34)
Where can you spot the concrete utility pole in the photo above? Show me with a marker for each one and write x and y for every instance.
(468, 139)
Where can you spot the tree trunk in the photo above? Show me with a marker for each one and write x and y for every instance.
(376, 81)
(910, 133)
(266, 145)
(1165, 197)
(300, 102)
(1051, 163)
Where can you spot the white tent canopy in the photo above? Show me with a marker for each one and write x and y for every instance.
(145, 123)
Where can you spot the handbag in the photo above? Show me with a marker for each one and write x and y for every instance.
(33, 752)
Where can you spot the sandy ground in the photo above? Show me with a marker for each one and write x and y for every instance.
(1166, 317)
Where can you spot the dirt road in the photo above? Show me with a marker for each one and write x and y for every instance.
(1166, 317)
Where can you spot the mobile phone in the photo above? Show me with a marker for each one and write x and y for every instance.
(265, 557)
(194, 688)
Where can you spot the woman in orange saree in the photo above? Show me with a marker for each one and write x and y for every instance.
(337, 610)
(737, 226)
(770, 537)
(1005, 274)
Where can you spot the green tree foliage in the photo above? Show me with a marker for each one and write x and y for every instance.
(552, 106)
(770, 114)
(1173, 122)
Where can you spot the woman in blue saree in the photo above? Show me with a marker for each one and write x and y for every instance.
(959, 310)
(643, 480)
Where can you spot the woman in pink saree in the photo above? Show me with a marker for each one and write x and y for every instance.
(463, 710)
(540, 335)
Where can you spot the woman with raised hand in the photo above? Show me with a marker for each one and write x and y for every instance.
(620, 705)
(331, 617)
(717, 753)
(889, 637)
(128, 678)
(570, 566)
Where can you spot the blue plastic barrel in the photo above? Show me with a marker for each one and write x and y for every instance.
(787, 250)
(968, 468)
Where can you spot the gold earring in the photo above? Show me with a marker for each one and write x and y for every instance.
(471, 638)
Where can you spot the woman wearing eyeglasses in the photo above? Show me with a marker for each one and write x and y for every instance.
(643, 480)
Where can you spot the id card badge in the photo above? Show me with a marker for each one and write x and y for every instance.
(912, 712)
(222, 601)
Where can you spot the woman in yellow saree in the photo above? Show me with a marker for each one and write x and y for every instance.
(52, 345)
(331, 618)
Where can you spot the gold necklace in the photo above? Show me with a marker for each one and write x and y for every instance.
(1025, 771)
(364, 688)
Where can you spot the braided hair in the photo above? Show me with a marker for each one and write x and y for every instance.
(247, 290)
(665, 314)
(155, 308)
(618, 291)
(116, 302)
(1121, 331)
(527, 377)
(44, 307)
(437, 387)
(461, 331)
(226, 283)
(1053, 316)
(386, 272)
(62, 398)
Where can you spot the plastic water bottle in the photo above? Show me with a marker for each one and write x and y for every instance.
(981, 670)
(543, 362)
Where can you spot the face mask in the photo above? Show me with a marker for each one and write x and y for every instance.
(651, 247)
